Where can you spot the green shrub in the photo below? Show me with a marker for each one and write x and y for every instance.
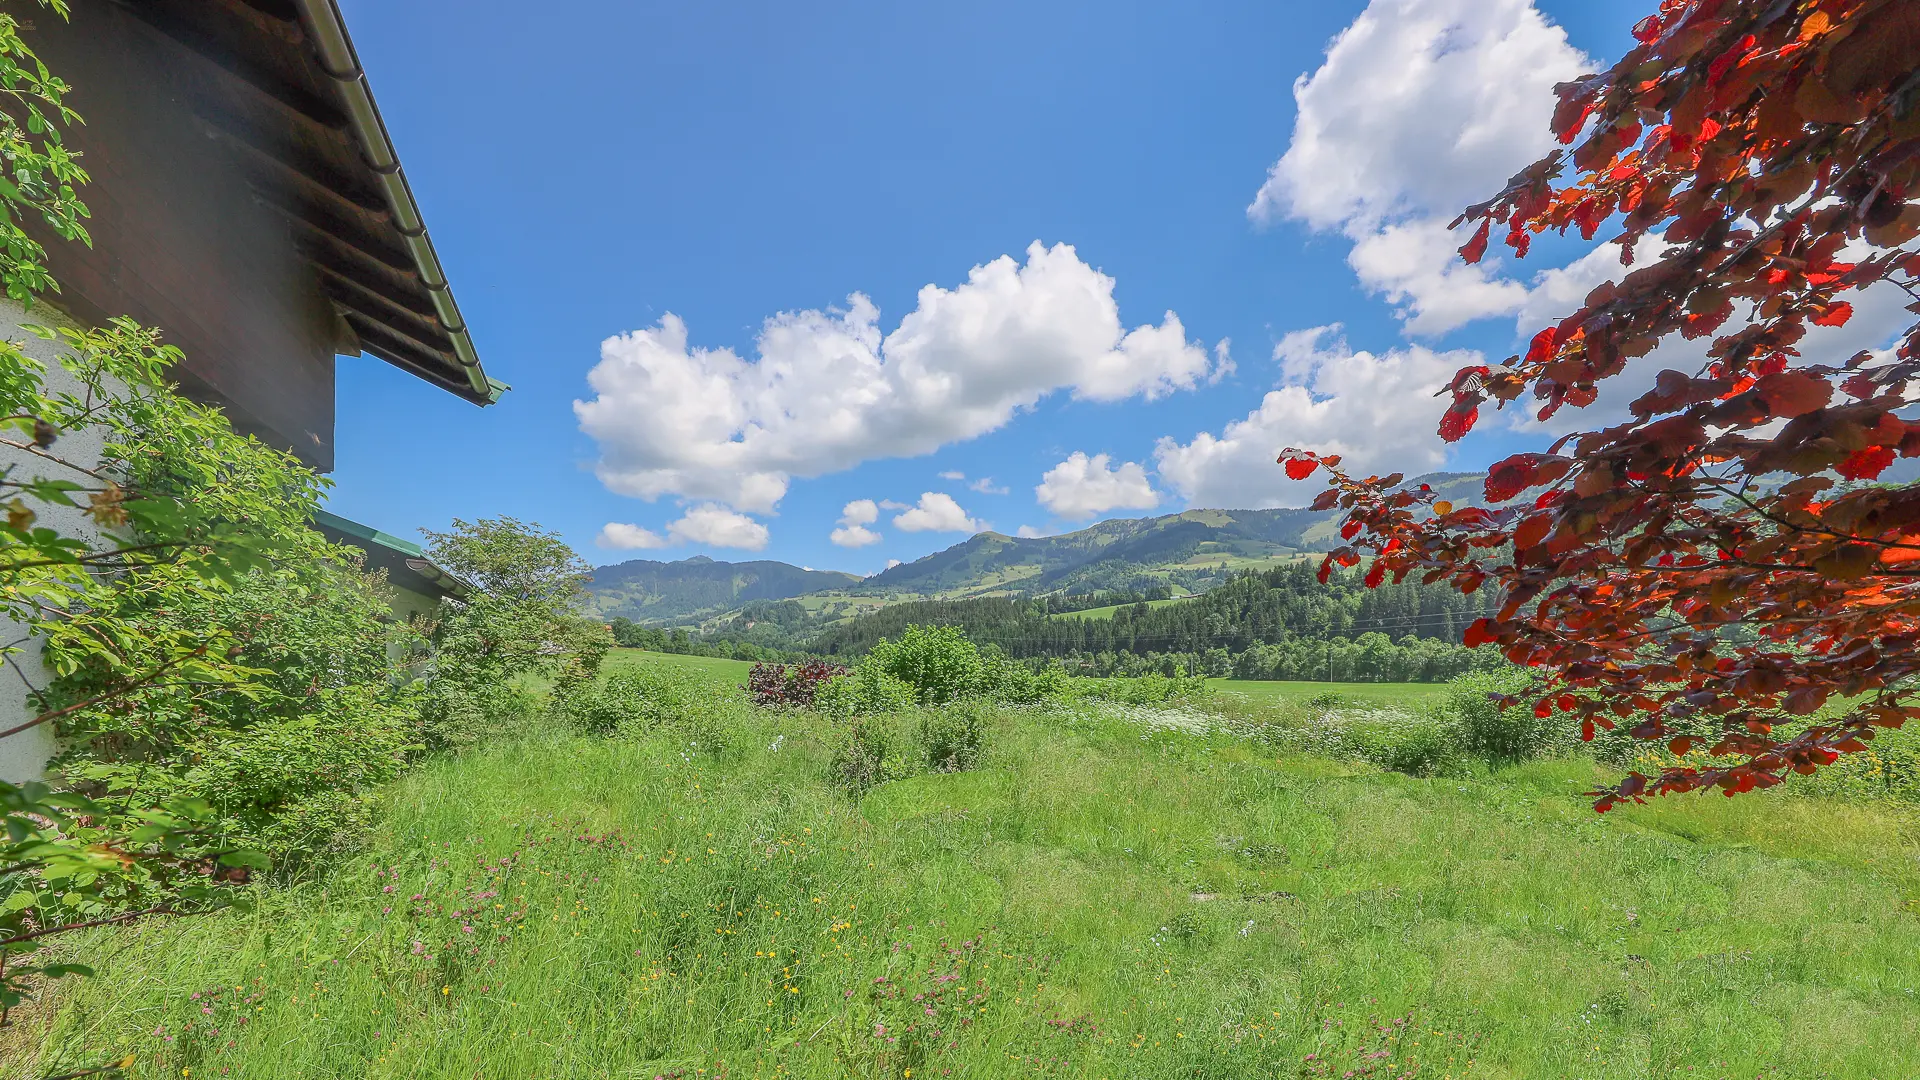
(1415, 743)
(874, 749)
(864, 691)
(520, 629)
(646, 698)
(286, 759)
(1499, 736)
(951, 736)
(1150, 689)
(1011, 683)
(939, 662)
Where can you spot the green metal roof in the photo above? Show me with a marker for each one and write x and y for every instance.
(406, 562)
(369, 534)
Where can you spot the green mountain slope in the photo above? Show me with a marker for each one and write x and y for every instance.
(692, 589)
(1191, 552)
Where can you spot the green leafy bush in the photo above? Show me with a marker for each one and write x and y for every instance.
(951, 736)
(1416, 743)
(1500, 736)
(316, 711)
(939, 662)
(864, 691)
(1012, 683)
(647, 698)
(875, 748)
(1150, 689)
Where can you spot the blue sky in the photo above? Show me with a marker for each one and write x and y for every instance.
(588, 173)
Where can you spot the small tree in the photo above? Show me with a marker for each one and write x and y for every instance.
(1719, 571)
(523, 621)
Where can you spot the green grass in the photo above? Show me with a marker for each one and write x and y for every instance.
(709, 669)
(1258, 692)
(1105, 614)
(1112, 903)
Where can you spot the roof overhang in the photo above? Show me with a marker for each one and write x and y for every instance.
(291, 101)
(405, 562)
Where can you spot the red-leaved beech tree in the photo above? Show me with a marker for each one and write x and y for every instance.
(1721, 571)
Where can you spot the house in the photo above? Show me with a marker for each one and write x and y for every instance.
(415, 584)
(247, 200)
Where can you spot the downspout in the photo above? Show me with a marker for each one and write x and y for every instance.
(328, 32)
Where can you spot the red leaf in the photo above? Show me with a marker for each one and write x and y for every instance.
(1532, 531)
(1457, 422)
(1543, 343)
(1866, 464)
(1473, 249)
(1325, 500)
(1512, 476)
(1793, 393)
(1805, 701)
(1835, 315)
(1478, 634)
(1376, 574)
(1300, 468)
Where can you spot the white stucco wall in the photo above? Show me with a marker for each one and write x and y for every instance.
(23, 756)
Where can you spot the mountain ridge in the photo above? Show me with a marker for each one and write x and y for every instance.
(1191, 551)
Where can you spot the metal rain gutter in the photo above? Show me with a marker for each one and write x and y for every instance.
(338, 59)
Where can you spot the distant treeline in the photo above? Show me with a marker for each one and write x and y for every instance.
(1266, 607)
(1280, 623)
(632, 635)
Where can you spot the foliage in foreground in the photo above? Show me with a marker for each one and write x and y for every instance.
(1760, 157)
(1095, 898)
(68, 861)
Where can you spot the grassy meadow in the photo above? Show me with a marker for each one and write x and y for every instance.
(718, 672)
(1105, 614)
(1098, 898)
(1261, 693)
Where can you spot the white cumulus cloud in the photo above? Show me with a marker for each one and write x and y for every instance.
(1083, 486)
(1378, 411)
(854, 519)
(717, 526)
(619, 536)
(1421, 108)
(708, 525)
(828, 390)
(937, 512)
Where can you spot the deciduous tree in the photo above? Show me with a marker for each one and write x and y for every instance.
(1720, 571)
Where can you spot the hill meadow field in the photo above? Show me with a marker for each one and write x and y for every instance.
(1204, 886)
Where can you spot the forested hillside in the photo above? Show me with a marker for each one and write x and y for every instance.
(1192, 551)
(661, 592)
(1278, 623)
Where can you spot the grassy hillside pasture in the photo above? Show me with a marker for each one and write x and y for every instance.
(1099, 899)
(1107, 612)
(720, 673)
